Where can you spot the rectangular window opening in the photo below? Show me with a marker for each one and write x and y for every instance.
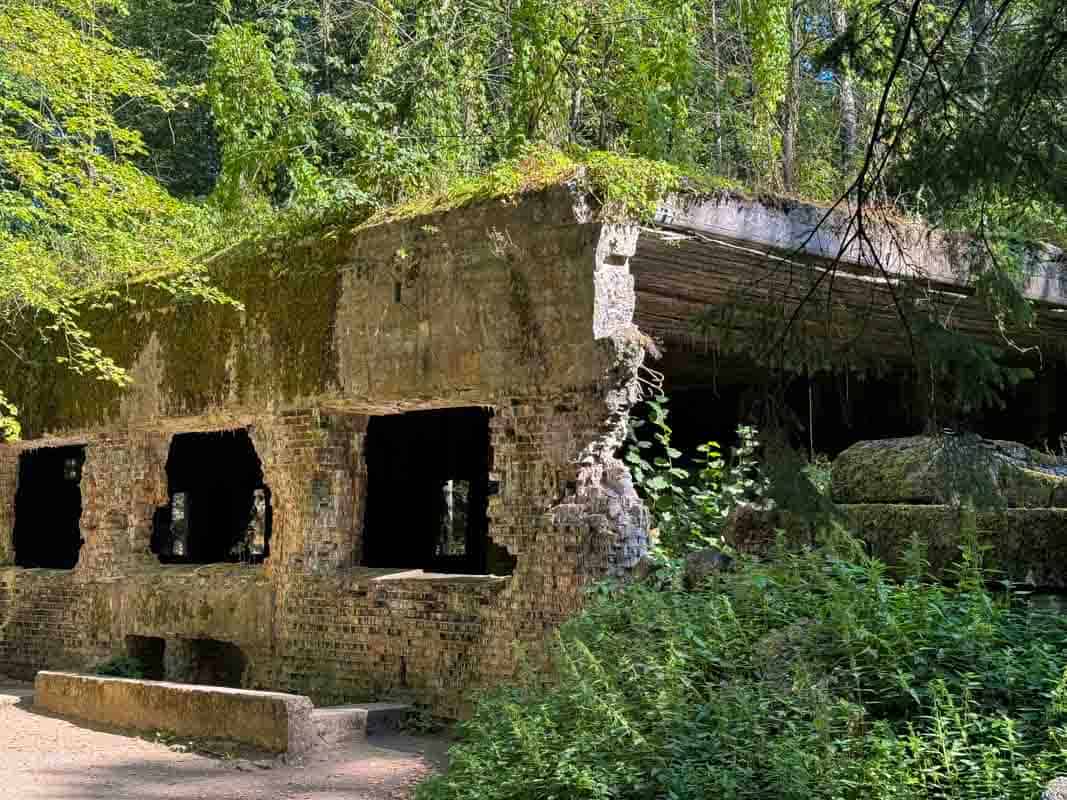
(428, 491)
(48, 507)
(219, 509)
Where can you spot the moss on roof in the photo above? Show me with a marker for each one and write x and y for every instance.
(620, 187)
(623, 186)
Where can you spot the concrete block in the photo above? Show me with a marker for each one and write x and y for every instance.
(274, 721)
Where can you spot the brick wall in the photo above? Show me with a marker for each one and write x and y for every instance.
(520, 310)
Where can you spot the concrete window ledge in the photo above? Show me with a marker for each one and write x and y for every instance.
(442, 577)
(274, 721)
(219, 570)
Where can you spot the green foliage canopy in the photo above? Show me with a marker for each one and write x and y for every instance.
(76, 214)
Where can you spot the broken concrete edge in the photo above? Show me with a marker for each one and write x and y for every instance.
(273, 721)
(904, 249)
(605, 504)
(1055, 790)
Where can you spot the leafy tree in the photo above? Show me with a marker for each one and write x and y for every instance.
(76, 214)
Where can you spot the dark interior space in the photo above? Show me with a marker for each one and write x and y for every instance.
(48, 507)
(1031, 413)
(148, 650)
(826, 413)
(428, 491)
(208, 662)
(219, 508)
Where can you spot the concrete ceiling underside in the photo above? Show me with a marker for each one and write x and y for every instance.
(704, 292)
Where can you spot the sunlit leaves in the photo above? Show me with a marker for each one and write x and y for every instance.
(75, 213)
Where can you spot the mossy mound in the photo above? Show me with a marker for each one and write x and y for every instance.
(947, 469)
(1021, 545)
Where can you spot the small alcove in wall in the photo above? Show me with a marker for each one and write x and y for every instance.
(428, 491)
(48, 507)
(219, 508)
(208, 662)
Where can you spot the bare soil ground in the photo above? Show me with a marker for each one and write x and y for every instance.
(43, 757)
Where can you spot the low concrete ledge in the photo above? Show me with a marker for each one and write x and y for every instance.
(271, 720)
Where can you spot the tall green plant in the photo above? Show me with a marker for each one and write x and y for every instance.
(691, 497)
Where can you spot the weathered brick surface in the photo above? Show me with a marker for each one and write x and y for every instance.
(518, 309)
(9, 478)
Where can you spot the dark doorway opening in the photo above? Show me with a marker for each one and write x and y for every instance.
(219, 509)
(204, 661)
(428, 491)
(48, 507)
(148, 650)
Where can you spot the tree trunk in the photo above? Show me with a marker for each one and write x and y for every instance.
(981, 16)
(791, 106)
(847, 134)
(718, 85)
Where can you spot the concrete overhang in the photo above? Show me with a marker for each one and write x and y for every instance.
(700, 256)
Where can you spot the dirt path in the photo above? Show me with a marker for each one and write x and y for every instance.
(45, 757)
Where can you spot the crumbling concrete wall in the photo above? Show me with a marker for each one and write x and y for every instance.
(523, 309)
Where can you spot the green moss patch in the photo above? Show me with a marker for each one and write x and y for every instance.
(923, 469)
(623, 186)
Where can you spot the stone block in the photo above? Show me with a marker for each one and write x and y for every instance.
(339, 724)
(1026, 545)
(933, 470)
(273, 721)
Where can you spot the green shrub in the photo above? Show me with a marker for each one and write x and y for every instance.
(812, 677)
(690, 497)
(121, 667)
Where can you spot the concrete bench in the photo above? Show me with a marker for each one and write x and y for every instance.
(274, 721)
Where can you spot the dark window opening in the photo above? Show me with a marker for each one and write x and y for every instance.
(428, 491)
(148, 650)
(219, 509)
(48, 507)
(208, 662)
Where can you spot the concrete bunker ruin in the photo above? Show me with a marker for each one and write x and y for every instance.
(439, 477)
(218, 507)
(48, 507)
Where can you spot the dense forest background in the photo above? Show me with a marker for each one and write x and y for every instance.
(143, 134)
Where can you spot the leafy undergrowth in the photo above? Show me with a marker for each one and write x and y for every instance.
(813, 677)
